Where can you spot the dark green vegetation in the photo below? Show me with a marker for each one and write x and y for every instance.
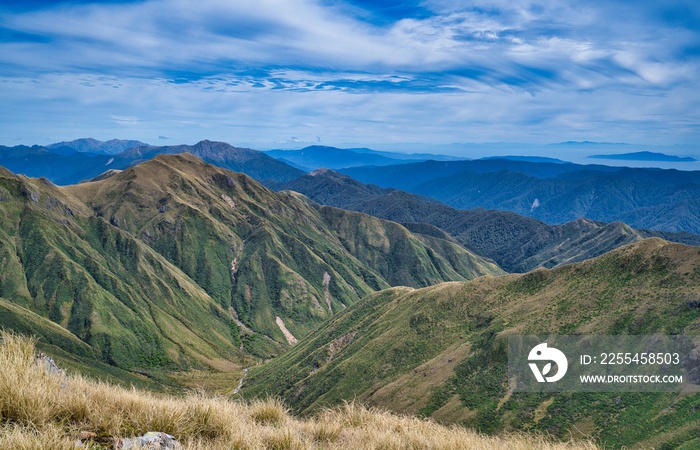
(515, 242)
(554, 193)
(175, 264)
(116, 300)
(441, 351)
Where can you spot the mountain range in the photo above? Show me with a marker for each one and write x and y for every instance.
(90, 145)
(555, 193)
(517, 243)
(66, 167)
(550, 190)
(644, 156)
(176, 263)
(440, 352)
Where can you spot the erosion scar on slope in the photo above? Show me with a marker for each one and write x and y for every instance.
(291, 340)
(326, 290)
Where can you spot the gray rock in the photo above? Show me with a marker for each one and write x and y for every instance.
(47, 362)
(153, 440)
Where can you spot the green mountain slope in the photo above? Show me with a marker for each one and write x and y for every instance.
(402, 257)
(132, 308)
(66, 348)
(441, 351)
(264, 255)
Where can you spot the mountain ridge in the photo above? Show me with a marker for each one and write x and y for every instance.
(553, 193)
(644, 156)
(517, 243)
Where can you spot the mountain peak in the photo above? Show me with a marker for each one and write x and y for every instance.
(177, 159)
(330, 174)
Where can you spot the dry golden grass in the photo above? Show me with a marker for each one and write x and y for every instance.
(39, 410)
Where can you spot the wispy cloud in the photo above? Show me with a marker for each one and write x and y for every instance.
(428, 70)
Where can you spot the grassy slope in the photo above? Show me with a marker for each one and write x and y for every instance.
(39, 410)
(401, 257)
(441, 351)
(69, 351)
(132, 308)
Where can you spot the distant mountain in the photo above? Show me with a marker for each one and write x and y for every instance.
(643, 198)
(408, 176)
(66, 168)
(409, 156)
(592, 143)
(251, 162)
(89, 145)
(318, 156)
(658, 199)
(73, 167)
(529, 159)
(644, 156)
(515, 242)
(441, 352)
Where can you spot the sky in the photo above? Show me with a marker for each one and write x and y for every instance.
(284, 73)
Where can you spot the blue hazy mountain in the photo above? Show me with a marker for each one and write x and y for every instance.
(60, 168)
(409, 175)
(319, 156)
(90, 145)
(644, 156)
(554, 193)
(526, 158)
(65, 167)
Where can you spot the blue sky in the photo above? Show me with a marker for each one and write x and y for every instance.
(277, 73)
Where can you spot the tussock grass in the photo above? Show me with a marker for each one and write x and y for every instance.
(43, 411)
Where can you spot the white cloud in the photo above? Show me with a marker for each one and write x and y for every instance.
(538, 70)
